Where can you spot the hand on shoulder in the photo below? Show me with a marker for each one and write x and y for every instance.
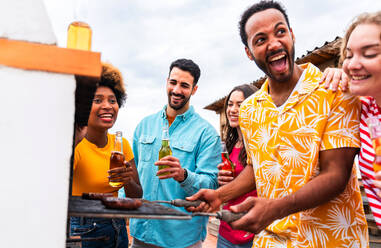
(333, 78)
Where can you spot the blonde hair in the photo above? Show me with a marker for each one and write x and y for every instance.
(364, 18)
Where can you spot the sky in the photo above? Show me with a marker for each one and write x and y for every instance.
(142, 38)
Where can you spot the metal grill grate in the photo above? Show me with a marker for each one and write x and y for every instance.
(148, 210)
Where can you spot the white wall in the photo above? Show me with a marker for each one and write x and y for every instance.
(36, 129)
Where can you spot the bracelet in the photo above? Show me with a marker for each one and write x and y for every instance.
(185, 175)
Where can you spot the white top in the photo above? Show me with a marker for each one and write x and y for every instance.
(297, 86)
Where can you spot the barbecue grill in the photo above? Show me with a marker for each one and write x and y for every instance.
(149, 210)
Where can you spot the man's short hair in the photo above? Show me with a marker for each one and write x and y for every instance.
(255, 8)
(189, 66)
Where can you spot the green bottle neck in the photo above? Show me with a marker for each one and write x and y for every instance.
(164, 142)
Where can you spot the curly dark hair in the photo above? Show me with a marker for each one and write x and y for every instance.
(111, 77)
(232, 132)
(84, 94)
(86, 87)
(255, 8)
(189, 66)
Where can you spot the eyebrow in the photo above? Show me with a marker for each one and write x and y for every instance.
(99, 95)
(181, 82)
(279, 23)
(371, 45)
(365, 47)
(276, 26)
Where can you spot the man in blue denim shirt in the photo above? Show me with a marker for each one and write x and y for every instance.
(196, 152)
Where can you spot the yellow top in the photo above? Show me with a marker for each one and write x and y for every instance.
(283, 146)
(91, 164)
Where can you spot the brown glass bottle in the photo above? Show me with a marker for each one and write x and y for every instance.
(228, 164)
(117, 156)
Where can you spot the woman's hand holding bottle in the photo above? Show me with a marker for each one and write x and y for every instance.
(224, 176)
(122, 175)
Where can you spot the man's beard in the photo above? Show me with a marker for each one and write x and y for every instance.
(183, 102)
(283, 78)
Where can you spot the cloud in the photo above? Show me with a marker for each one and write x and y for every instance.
(142, 38)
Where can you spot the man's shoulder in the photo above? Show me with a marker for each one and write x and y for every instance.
(150, 118)
(200, 123)
(251, 100)
(147, 123)
(338, 95)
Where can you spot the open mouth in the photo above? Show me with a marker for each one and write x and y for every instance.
(233, 118)
(108, 117)
(278, 62)
(177, 97)
(359, 77)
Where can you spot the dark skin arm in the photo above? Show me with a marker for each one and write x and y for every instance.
(336, 168)
(129, 176)
(242, 184)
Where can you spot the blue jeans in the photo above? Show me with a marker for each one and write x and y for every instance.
(114, 229)
(224, 243)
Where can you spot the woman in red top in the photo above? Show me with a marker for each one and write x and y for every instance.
(227, 236)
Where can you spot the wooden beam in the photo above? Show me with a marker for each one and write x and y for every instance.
(33, 56)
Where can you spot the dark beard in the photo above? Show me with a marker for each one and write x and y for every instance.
(182, 103)
(281, 79)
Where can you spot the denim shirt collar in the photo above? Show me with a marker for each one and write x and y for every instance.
(183, 116)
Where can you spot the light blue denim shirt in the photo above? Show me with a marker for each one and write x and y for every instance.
(197, 145)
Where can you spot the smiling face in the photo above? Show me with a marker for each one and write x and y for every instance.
(232, 109)
(363, 60)
(179, 90)
(271, 44)
(104, 109)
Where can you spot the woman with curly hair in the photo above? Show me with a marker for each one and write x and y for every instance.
(91, 163)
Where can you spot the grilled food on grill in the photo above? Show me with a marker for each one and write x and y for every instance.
(121, 203)
(95, 196)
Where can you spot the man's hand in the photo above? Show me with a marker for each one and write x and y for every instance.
(121, 174)
(333, 78)
(261, 213)
(224, 177)
(175, 170)
(211, 201)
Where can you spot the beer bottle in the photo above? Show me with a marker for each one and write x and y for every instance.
(79, 36)
(228, 164)
(165, 149)
(79, 32)
(117, 156)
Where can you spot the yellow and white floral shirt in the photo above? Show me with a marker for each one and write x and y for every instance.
(283, 146)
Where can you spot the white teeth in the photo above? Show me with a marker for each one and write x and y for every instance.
(277, 57)
(106, 116)
(359, 77)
